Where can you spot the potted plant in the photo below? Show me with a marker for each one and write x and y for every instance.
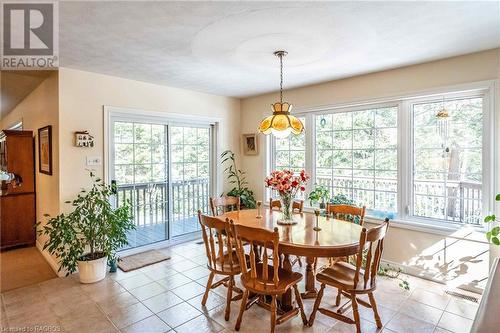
(319, 194)
(86, 237)
(237, 177)
(493, 234)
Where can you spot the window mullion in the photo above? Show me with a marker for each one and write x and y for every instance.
(310, 146)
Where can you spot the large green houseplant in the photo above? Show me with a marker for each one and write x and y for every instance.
(90, 234)
(237, 177)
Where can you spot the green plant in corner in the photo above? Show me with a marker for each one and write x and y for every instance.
(320, 195)
(93, 230)
(237, 177)
(493, 235)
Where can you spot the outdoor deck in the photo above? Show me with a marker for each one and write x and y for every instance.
(152, 233)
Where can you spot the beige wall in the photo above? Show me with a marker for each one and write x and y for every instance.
(403, 247)
(82, 96)
(40, 108)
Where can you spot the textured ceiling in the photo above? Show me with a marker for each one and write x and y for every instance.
(226, 48)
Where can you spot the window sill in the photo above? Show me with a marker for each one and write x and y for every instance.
(452, 230)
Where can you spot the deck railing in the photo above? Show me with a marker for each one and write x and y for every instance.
(463, 199)
(150, 200)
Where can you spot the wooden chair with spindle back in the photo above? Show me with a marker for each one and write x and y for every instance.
(222, 258)
(224, 204)
(355, 280)
(297, 205)
(347, 213)
(260, 278)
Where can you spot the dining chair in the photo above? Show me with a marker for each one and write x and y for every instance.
(347, 213)
(297, 205)
(355, 280)
(224, 204)
(259, 277)
(221, 257)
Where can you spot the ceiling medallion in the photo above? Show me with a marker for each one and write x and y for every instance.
(281, 123)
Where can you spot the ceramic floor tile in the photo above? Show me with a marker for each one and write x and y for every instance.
(179, 314)
(162, 301)
(174, 281)
(438, 300)
(189, 290)
(200, 324)
(160, 272)
(147, 291)
(184, 265)
(196, 273)
(462, 308)
(135, 281)
(403, 323)
(385, 314)
(151, 324)
(126, 316)
(213, 301)
(421, 311)
(124, 299)
(366, 327)
(455, 323)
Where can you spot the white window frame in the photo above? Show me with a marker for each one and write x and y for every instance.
(405, 103)
(112, 113)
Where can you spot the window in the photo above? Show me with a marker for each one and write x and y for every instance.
(291, 152)
(356, 155)
(397, 158)
(447, 160)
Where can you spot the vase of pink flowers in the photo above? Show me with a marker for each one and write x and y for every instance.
(287, 183)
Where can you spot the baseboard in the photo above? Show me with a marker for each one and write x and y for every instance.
(420, 273)
(50, 260)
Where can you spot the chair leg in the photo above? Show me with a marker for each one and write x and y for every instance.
(229, 297)
(298, 298)
(300, 261)
(242, 309)
(355, 313)
(375, 311)
(316, 304)
(273, 313)
(209, 285)
(338, 299)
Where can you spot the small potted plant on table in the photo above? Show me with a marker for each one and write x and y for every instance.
(90, 234)
(320, 195)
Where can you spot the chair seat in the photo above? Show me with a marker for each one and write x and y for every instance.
(286, 280)
(225, 266)
(341, 275)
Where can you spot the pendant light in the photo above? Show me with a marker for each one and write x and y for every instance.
(281, 123)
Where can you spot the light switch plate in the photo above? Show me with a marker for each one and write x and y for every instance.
(93, 160)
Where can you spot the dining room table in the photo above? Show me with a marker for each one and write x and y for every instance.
(311, 237)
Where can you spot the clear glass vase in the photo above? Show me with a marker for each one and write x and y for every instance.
(286, 207)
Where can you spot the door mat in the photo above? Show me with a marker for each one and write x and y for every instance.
(139, 260)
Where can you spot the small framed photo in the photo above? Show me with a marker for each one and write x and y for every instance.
(45, 150)
(250, 144)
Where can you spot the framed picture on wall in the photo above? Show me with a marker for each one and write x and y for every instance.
(250, 144)
(45, 150)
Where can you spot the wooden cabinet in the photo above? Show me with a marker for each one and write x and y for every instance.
(17, 204)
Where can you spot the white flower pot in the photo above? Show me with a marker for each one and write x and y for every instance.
(92, 270)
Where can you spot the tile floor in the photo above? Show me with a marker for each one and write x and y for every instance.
(166, 297)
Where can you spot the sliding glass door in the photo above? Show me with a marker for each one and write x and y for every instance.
(164, 171)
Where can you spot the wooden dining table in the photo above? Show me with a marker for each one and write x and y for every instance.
(336, 238)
